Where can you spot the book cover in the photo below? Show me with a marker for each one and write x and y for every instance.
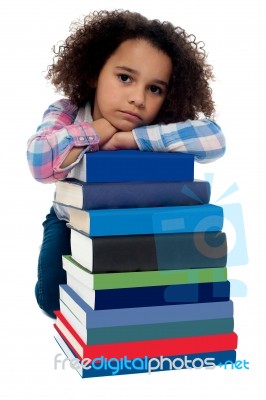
(159, 252)
(142, 315)
(134, 166)
(152, 295)
(160, 330)
(143, 348)
(119, 280)
(93, 196)
(150, 220)
(106, 367)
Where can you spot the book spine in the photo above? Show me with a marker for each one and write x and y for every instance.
(155, 278)
(217, 357)
(150, 348)
(159, 252)
(134, 165)
(144, 194)
(161, 295)
(142, 315)
(138, 221)
(147, 331)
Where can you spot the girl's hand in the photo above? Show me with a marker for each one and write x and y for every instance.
(104, 130)
(119, 141)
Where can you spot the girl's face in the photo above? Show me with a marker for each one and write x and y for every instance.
(132, 85)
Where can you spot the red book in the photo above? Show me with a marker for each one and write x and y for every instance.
(140, 349)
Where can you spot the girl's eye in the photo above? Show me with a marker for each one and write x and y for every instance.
(124, 77)
(155, 89)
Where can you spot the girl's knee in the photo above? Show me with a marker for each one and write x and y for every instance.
(45, 302)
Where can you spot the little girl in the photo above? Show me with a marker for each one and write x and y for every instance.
(129, 83)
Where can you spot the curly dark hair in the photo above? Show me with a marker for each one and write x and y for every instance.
(80, 58)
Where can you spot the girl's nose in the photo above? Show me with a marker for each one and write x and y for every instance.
(137, 97)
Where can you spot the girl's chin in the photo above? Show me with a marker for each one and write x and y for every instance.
(125, 127)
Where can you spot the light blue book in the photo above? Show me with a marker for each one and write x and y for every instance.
(150, 220)
(160, 330)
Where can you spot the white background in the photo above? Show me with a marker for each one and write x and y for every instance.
(235, 40)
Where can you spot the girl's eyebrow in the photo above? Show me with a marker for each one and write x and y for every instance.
(134, 71)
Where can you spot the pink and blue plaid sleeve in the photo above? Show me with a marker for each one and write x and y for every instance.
(203, 138)
(55, 137)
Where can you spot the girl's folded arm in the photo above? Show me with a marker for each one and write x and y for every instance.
(203, 138)
(55, 138)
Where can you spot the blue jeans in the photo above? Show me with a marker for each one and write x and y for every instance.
(56, 242)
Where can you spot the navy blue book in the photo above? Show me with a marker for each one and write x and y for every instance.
(134, 166)
(151, 296)
(96, 196)
(106, 367)
(142, 315)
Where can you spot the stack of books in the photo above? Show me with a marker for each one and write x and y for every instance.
(147, 286)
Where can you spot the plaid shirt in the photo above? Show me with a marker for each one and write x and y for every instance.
(65, 126)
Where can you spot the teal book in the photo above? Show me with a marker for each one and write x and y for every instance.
(141, 348)
(160, 330)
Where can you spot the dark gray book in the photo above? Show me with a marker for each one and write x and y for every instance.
(131, 253)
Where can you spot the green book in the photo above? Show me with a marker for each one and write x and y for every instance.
(120, 280)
